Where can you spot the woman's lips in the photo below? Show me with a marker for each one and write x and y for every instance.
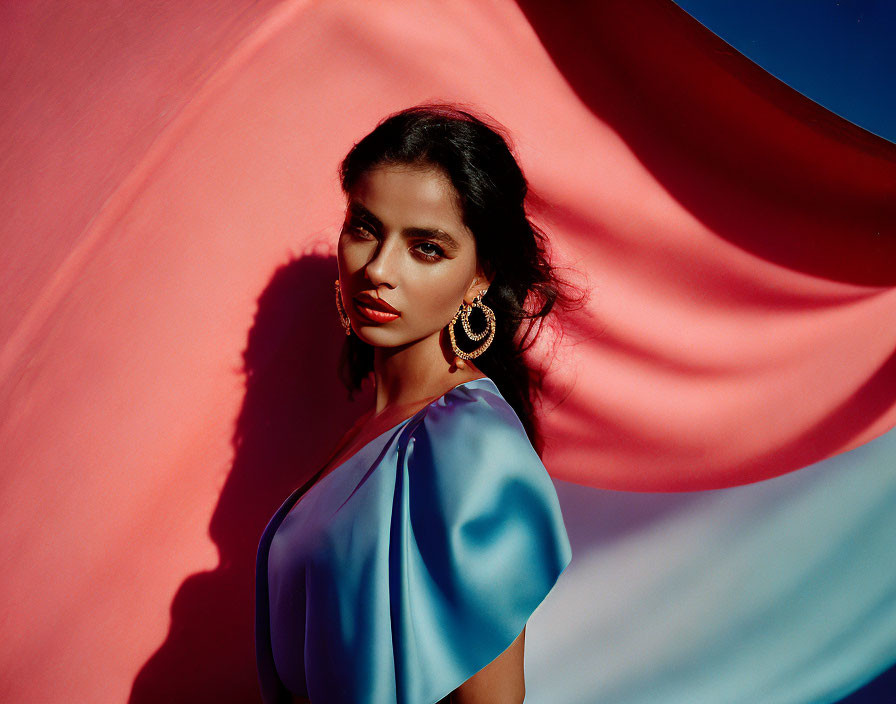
(372, 314)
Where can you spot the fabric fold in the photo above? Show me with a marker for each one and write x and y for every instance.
(411, 566)
(478, 541)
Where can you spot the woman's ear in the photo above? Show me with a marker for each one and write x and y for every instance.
(481, 281)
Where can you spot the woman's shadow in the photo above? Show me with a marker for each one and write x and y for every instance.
(293, 413)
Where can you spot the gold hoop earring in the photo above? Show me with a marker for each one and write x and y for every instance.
(464, 314)
(340, 308)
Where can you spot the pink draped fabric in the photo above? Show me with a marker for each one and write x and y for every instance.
(167, 371)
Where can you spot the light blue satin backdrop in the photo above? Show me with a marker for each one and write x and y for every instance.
(779, 592)
(415, 563)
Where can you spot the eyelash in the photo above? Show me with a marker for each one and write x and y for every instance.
(364, 231)
(357, 228)
(439, 253)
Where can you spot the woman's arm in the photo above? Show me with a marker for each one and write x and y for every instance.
(499, 682)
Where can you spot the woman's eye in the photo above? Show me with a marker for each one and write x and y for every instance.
(359, 229)
(430, 251)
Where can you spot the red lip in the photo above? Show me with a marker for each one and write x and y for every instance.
(369, 301)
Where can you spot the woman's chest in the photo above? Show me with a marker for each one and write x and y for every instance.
(327, 567)
(341, 524)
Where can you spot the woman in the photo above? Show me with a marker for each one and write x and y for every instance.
(408, 570)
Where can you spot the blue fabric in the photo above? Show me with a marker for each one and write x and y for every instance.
(412, 565)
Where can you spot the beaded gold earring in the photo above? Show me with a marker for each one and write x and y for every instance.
(343, 316)
(464, 314)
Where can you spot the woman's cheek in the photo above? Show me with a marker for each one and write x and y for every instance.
(352, 255)
(444, 307)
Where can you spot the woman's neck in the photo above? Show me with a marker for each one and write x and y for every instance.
(410, 374)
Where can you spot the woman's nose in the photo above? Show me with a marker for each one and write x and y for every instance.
(382, 269)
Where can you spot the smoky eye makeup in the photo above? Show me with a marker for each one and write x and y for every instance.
(359, 227)
(432, 253)
(359, 219)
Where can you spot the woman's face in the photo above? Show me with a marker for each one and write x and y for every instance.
(404, 245)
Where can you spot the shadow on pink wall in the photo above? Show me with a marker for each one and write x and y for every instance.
(293, 412)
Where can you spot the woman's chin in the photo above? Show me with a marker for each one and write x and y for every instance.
(375, 336)
(382, 336)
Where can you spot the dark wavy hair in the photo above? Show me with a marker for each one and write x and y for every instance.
(474, 153)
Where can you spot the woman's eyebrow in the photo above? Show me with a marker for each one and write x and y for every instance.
(437, 234)
(356, 208)
(433, 234)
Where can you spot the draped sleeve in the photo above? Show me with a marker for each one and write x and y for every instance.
(409, 568)
(477, 541)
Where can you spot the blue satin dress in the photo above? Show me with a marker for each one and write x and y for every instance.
(413, 564)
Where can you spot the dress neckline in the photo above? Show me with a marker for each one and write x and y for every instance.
(390, 430)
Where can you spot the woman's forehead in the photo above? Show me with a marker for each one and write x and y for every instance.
(404, 196)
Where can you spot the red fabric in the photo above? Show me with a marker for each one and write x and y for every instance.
(742, 246)
(169, 183)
